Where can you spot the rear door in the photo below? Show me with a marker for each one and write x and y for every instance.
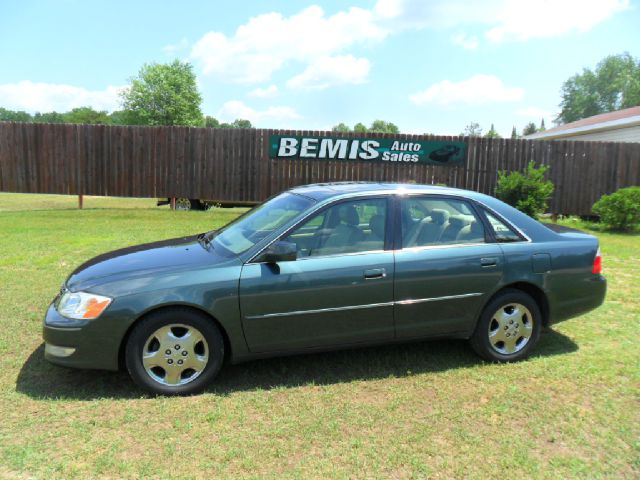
(446, 266)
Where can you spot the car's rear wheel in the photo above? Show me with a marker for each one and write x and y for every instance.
(508, 328)
(174, 352)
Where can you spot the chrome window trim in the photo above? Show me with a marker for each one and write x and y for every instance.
(506, 222)
(441, 245)
(409, 301)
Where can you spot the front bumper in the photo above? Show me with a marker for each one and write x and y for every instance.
(81, 344)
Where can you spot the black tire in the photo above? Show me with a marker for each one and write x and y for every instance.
(186, 204)
(197, 204)
(212, 346)
(485, 340)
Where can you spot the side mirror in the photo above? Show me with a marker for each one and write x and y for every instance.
(280, 251)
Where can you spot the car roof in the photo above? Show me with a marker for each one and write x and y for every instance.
(323, 191)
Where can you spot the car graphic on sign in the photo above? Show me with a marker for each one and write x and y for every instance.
(444, 154)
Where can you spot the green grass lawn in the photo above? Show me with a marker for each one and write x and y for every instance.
(411, 411)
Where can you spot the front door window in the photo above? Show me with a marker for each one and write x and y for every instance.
(348, 227)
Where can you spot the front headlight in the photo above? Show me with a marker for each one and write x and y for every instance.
(82, 305)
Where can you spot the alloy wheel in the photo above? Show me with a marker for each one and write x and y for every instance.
(175, 354)
(510, 328)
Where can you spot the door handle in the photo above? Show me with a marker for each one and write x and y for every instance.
(374, 273)
(489, 261)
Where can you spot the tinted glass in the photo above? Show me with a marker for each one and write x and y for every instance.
(438, 221)
(502, 232)
(245, 232)
(348, 227)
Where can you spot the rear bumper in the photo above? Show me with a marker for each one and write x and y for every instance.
(593, 292)
(79, 344)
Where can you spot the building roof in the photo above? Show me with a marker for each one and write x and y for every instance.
(605, 121)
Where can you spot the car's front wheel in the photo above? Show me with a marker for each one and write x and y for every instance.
(174, 352)
(509, 327)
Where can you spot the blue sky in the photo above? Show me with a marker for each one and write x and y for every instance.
(428, 66)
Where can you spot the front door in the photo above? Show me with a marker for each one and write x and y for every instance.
(339, 291)
(445, 270)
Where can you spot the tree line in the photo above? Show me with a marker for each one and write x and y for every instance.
(161, 94)
(167, 94)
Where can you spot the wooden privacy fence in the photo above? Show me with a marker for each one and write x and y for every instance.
(232, 166)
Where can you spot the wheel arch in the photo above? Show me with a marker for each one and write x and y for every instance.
(177, 306)
(534, 291)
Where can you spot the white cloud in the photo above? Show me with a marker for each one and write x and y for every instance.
(503, 19)
(267, 42)
(276, 116)
(46, 97)
(551, 18)
(468, 43)
(269, 92)
(330, 71)
(173, 49)
(477, 90)
(435, 14)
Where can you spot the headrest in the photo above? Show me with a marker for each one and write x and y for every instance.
(376, 224)
(439, 216)
(476, 227)
(458, 222)
(349, 215)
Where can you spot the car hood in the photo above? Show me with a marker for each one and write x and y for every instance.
(142, 260)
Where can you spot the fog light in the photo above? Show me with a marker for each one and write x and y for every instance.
(57, 351)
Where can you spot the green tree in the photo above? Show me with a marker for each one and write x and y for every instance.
(542, 127)
(211, 122)
(126, 117)
(514, 133)
(14, 116)
(48, 117)
(380, 126)
(165, 94)
(472, 130)
(529, 129)
(614, 84)
(341, 127)
(492, 133)
(241, 123)
(86, 115)
(360, 128)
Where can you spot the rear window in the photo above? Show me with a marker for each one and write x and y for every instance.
(501, 230)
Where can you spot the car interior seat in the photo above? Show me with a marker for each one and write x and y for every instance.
(345, 231)
(472, 233)
(428, 231)
(456, 223)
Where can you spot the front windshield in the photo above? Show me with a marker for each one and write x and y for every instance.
(242, 234)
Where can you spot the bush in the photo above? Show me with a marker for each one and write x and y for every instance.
(528, 192)
(620, 210)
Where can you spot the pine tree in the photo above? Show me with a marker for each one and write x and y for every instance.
(542, 127)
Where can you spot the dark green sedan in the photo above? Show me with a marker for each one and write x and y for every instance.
(321, 267)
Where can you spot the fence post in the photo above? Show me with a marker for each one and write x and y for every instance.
(80, 201)
(173, 203)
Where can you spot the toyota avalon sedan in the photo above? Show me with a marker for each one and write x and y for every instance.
(322, 267)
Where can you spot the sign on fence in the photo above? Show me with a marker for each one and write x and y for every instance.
(398, 151)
